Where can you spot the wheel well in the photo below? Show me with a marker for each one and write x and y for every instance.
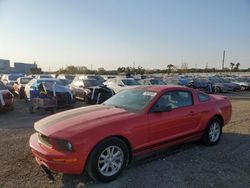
(125, 140)
(220, 118)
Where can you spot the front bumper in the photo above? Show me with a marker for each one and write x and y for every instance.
(57, 161)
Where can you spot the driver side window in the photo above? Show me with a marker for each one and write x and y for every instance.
(175, 99)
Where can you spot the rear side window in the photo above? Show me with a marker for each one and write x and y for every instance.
(203, 97)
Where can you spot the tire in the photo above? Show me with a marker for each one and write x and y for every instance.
(213, 132)
(98, 164)
(217, 90)
(243, 88)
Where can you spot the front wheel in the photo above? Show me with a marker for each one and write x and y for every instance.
(108, 159)
(213, 132)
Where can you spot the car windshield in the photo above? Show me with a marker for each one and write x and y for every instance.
(2, 86)
(130, 82)
(64, 82)
(157, 82)
(96, 78)
(91, 83)
(25, 80)
(14, 77)
(134, 100)
(70, 77)
(46, 76)
(50, 81)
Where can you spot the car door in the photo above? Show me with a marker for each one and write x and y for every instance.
(182, 120)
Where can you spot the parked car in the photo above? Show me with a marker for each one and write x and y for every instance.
(219, 86)
(183, 81)
(152, 81)
(19, 86)
(229, 83)
(119, 84)
(63, 94)
(103, 139)
(91, 76)
(90, 90)
(243, 82)
(202, 84)
(64, 82)
(6, 98)
(9, 80)
(41, 76)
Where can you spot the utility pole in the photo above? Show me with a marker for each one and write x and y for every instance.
(223, 60)
(134, 68)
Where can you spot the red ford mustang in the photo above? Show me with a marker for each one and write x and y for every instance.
(102, 139)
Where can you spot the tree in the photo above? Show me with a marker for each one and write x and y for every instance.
(101, 70)
(71, 70)
(140, 70)
(170, 67)
(121, 69)
(184, 68)
(231, 65)
(36, 71)
(237, 66)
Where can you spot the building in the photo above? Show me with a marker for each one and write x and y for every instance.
(4, 65)
(23, 67)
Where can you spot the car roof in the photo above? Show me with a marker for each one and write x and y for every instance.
(159, 88)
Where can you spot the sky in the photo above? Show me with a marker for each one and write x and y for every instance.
(114, 33)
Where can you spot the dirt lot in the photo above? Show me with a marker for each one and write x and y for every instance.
(190, 165)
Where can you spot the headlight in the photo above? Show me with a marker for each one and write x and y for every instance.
(64, 145)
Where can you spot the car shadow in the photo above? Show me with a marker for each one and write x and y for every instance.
(84, 180)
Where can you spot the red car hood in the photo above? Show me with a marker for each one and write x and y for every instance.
(71, 122)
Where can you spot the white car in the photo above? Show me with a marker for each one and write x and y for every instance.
(119, 84)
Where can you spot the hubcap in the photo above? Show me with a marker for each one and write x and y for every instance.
(214, 132)
(110, 160)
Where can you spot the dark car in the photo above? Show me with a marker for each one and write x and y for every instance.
(229, 83)
(90, 90)
(219, 86)
(202, 84)
(6, 98)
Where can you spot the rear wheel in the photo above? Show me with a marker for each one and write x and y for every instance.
(108, 159)
(213, 132)
(243, 88)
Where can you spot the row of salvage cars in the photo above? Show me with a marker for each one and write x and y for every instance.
(93, 89)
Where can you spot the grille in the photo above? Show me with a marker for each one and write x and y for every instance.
(63, 99)
(44, 139)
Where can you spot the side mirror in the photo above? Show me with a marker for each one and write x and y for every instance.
(121, 85)
(163, 109)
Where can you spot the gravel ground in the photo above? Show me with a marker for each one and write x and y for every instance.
(189, 165)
